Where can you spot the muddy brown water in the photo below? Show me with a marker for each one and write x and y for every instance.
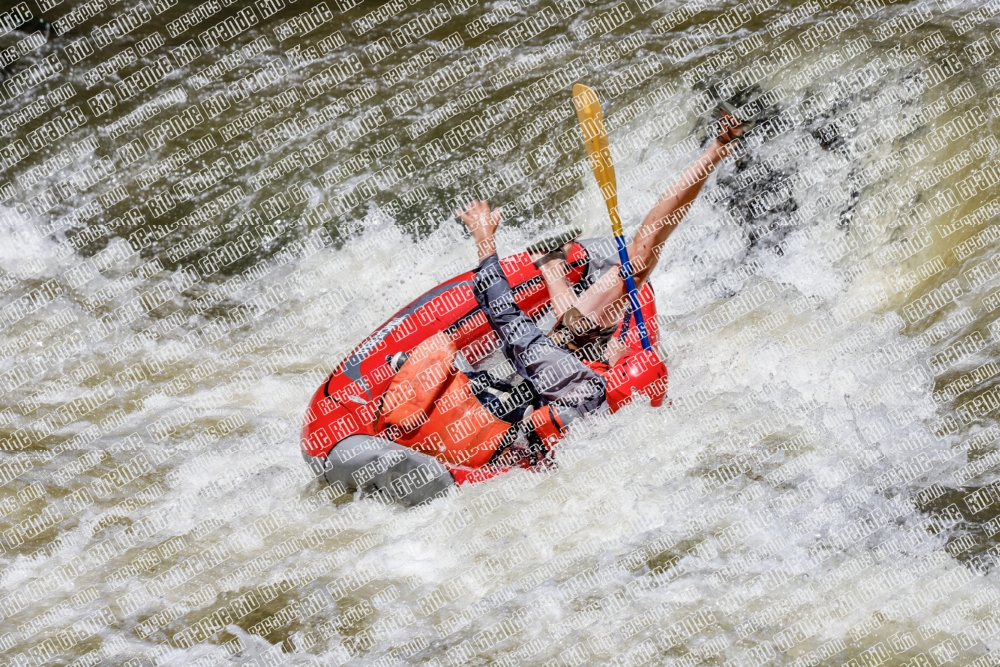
(203, 215)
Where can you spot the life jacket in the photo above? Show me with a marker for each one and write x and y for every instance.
(547, 426)
(429, 406)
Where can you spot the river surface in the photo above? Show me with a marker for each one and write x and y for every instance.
(222, 214)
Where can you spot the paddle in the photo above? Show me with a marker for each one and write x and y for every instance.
(588, 110)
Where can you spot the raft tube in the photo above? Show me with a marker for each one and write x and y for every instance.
(339, 440)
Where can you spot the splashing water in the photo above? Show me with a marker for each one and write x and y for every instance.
(820, 491)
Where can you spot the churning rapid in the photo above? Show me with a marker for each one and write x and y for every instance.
(205, 208)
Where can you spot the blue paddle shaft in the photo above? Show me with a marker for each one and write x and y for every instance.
(633, 291)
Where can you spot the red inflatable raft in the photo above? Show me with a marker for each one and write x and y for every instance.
(341, 438)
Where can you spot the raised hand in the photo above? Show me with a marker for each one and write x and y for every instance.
(732, 129)
(482, 223)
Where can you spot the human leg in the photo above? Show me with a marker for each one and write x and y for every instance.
(557, 375)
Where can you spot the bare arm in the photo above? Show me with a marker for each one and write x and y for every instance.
(482, 222)
(603, 300)
(562, 295)
(671, 208)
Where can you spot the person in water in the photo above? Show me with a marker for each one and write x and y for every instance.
(426, 427)
(561, 365)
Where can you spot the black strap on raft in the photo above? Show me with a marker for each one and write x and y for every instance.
(509, 409)
(506, 455)
(535, 452)
(480, 380)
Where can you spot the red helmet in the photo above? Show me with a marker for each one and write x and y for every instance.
(642, 371)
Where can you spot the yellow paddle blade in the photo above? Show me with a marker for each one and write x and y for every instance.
(595, 137)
